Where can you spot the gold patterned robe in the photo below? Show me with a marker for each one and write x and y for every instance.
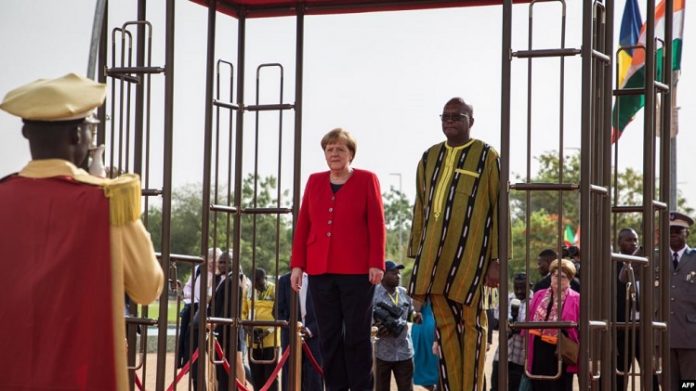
(453, 238)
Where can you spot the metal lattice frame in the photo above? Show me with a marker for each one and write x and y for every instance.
(597, 324)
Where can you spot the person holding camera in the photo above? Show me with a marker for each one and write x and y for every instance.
(392, 308)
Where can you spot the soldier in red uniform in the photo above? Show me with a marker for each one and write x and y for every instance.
(71, 245)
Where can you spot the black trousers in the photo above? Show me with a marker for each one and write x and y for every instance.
(261, 372)
(515, 372)
(311, 379)
(343, 306)
(201, 357)
(223, 378)
(492, 324)
(403, 374)
(626, 352)
(182, 355)
(545, 363)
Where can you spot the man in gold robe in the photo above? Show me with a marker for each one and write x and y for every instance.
(454, 240)
(72, 244)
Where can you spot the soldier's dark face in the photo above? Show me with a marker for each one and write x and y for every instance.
(677, 237)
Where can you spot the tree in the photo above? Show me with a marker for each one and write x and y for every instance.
(543, 207)
(398, 213)
(259, 232)
(542, 232)
(549, 172)
(265, 237)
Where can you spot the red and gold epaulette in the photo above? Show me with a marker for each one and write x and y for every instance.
(123, 193)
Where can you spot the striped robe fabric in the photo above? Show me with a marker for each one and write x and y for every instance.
(453, 238)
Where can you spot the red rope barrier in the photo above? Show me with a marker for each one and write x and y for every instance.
(277, 369)
(218, 350)
(184, 370)
(137, 382)
(226, 366)
(271, 378)
(312, 359)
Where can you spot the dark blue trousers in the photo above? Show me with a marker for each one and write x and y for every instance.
(343, 306)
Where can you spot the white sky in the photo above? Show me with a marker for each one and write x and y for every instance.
(382, 76)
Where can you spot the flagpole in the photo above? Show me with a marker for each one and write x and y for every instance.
(673, 173)
(674, 131)
(667, 181)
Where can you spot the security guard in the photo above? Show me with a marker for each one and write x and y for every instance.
(682, 318)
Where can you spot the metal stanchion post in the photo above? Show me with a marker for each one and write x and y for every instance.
(373, 338)
(298, 357)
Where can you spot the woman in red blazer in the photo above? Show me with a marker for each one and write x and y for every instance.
(339, 241)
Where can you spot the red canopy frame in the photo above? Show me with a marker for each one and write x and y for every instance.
(270, 8)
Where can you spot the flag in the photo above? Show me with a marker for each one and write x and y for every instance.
(577, 237)
(632, 75)
(628, 36)
(568, 236)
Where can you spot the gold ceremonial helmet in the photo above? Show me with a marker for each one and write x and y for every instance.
(66, 98)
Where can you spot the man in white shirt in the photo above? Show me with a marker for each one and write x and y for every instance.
(189, 322)
(191, 299)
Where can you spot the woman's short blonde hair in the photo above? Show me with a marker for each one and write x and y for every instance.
(567, 267)
(339, 134)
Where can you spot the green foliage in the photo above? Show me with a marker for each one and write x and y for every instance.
(259, 232)
(542, 207)
(172, 311)
(630, 192)
(398, 213)
(542, 235)
(550, 172)
(265, 238)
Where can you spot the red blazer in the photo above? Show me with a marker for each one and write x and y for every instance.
(340, 233)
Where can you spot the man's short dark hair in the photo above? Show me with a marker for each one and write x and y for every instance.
(469, 109)
(548, 254)
(226, 257)
(625, 231)
(519, 277)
